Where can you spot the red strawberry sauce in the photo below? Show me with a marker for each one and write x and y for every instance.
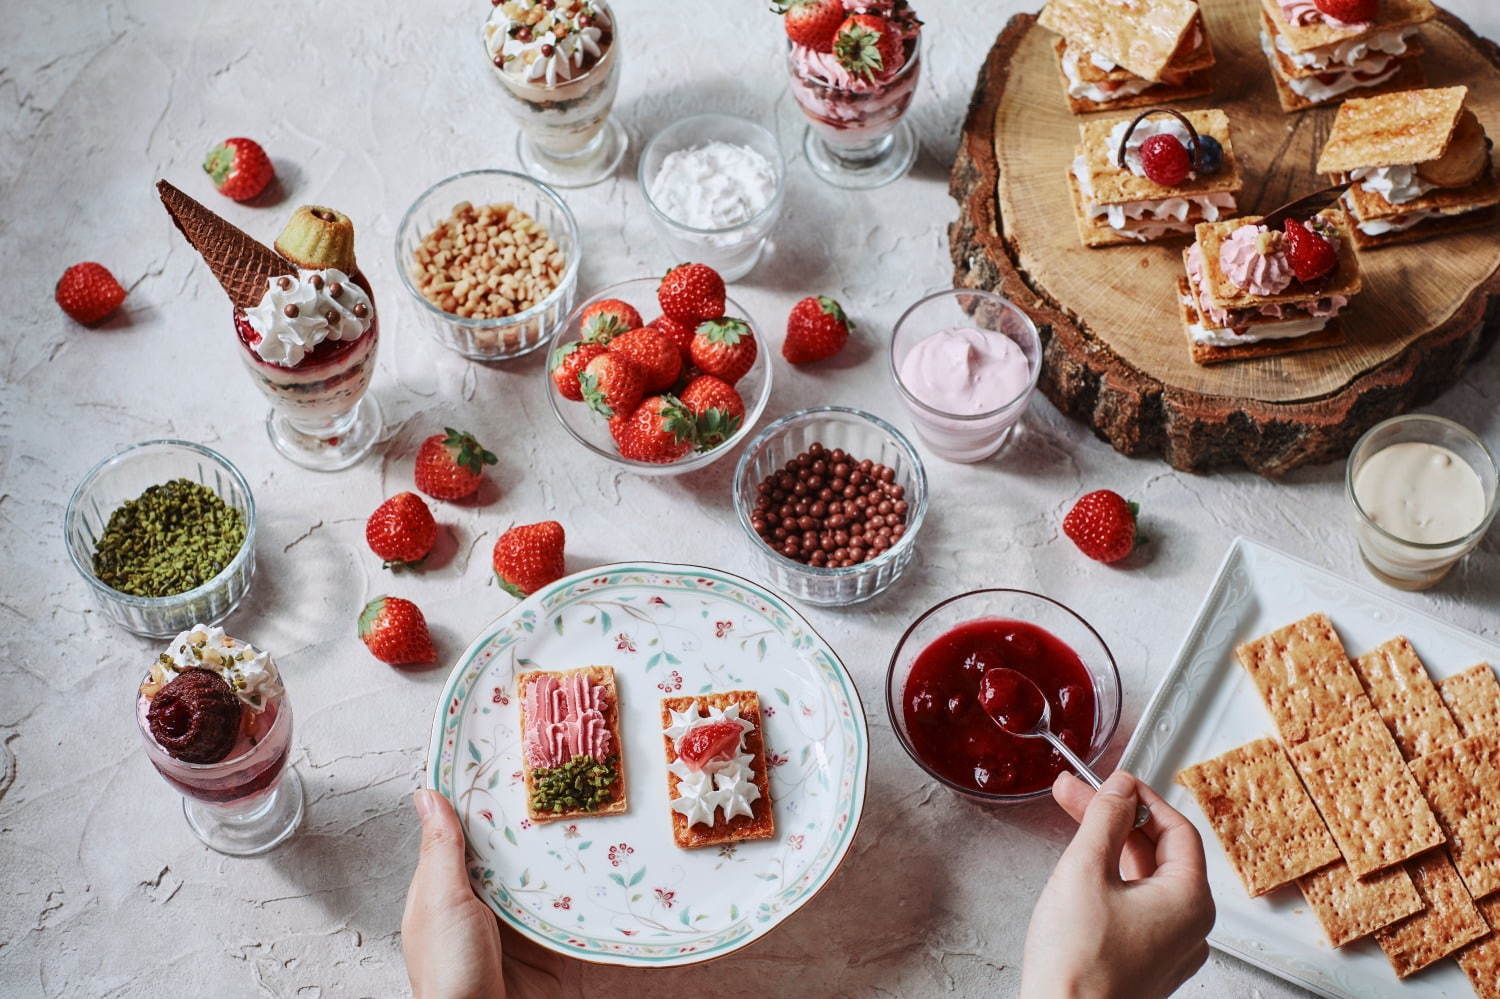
(951, 732)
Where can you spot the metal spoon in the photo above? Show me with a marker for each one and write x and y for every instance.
(1016, 704)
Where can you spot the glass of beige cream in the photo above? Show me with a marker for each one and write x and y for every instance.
(1423, 491)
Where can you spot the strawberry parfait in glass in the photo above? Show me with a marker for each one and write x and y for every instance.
(217, 726)
(854, 66)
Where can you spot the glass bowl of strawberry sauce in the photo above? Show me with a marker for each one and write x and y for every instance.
(932, 691)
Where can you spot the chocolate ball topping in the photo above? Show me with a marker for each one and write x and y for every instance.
(196, 717)
(827, 509)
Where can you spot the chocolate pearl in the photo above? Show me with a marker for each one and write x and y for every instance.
(898, 530)
(284, 283)
(524, 35)
(851, 492)
(800, 489)
(810, 539)
(841, 538)
(361, 311)
(896, 492)
(837, 520)
(900, 506)
(335, 290)
(884, 506)
(791, 549)
(857, 553)
(786, 511)
(818, 509)
(837, 455)
(791, 467)
(841, 469)
(779, 534)
(839, 484)
(825, 495)
(785, 481)
(290, 311)
(778, 496)
(820, 467)
(316, 281)
(857, 477)
(816, 448)
(806, 523)
(800, 507)
(827, 544)
(841, 555)
(758, 524)
(817, 558)
(866, 465)
(885, 530)
(862, 502)
(887, 474)
(331, 317)
(804, 459)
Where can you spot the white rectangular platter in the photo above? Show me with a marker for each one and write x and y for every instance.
(1206, 705)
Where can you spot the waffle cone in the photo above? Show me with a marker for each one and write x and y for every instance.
(243, 266)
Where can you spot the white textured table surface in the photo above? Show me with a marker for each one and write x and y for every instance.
(362, 106)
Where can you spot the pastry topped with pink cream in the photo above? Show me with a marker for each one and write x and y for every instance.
(570, 743)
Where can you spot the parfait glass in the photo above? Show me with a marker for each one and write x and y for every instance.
(246, 803)
(857, 136)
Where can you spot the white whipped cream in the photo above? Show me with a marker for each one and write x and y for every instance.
(1390, 42)
(1408, 220)
(722, 785)
(1396, 184)
(315, 314)
(1077, 87)
(714, 186)
(250, 673)
(1150, 219)
(1253, 334)
(568, 46)
(1314, 89)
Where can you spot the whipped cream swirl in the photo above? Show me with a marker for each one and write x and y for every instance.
(1252, 258)
(297, 314)
(1396, 184)
(250, 673)
(565, 720)
(547, 46)
(721, 785)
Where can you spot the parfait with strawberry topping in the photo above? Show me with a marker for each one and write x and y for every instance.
(854, 66)
(304, 319)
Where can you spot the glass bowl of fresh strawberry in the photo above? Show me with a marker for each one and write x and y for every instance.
(659, 375)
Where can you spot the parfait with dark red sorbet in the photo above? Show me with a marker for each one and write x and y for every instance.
(854, 66)
(218, 727)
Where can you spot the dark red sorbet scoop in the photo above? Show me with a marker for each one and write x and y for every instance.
(196, 717)
(1012, 700)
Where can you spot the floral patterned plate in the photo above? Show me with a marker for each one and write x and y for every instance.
(616, 889)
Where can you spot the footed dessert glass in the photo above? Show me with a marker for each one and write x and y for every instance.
(857, 136)
(246, 803)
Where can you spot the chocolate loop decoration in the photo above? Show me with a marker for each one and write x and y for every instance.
(1130, 130)
(1308, 203)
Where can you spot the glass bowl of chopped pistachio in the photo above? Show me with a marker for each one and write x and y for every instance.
(163, 533)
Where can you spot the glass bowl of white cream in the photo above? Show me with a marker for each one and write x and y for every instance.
(714, 184)
(1423, 491)
(965, 363)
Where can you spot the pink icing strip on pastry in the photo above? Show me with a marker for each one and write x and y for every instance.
(564, 720)
(1243, 263)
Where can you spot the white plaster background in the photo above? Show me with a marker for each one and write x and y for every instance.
(362, 105)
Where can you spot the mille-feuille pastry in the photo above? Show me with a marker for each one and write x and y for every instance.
(570, 743)
(1252, 291)
(1322, 50)
(1154, 176)
(718, 788)
(1418, 165)
(1116, 54)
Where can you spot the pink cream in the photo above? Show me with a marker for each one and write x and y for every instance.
(564, 720)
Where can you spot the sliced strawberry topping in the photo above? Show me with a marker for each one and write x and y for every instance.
(702, 744)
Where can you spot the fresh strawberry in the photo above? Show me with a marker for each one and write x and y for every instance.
(567, 362)
(715, 740)
(1311, 255)
(1349, 11)
(660, 431)
(691, 293)
(1165, 160)
(724, 347)
(612, 384)
(240, 169)
(528, 557)
(717, 408)
(88, 293)
(816, 330)
(1102, 525)
(607, 319)
(681, 334)
(401, 530)
(812, 23)
(868, 45)
(657, 357)
(395, 631)
(450, 465)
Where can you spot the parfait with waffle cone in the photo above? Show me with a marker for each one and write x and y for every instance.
(304, 319)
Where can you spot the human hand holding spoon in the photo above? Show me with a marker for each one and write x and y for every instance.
(1018, 706)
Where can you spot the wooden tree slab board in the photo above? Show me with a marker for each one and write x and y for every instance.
(1115, 353)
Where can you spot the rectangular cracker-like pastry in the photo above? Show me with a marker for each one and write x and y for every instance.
(1364, 791)
(1393, 14)
(1462, 784)
(1351, 908)
(1392, 130)
(1406, 698)
(1260, 812)
(1225, 294)
(741, 705)
(1187, 77)
(1473, 698)
(1143, 39)
(1481, 959)
(1409, 75)
(1305, 679)
(1433, 228)
(548, 698)
(1448, 922)
(1331, 335)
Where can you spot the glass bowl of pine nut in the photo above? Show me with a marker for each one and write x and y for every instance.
(491, 258)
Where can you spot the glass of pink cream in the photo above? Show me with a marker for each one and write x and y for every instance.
(965, 363)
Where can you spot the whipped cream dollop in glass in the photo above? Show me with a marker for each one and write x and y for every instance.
(546, 45)
(297, 314)
(250, 673)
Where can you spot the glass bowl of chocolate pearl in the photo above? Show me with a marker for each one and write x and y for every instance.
(832, 499)
(163, 533)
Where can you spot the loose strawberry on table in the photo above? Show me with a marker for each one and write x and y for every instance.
(401, 531)
(691, 293)
(724, 348)
(717, 408)
(812, 23)
(661, 430)
(567, 362)
(606, 319)
(816, 329)
(529, 556)
(657, 357)
(88, 293)
(612, 384)
(450, 465)
(1102, 525)
(239, 168)
(395, 632)
(868, 45)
